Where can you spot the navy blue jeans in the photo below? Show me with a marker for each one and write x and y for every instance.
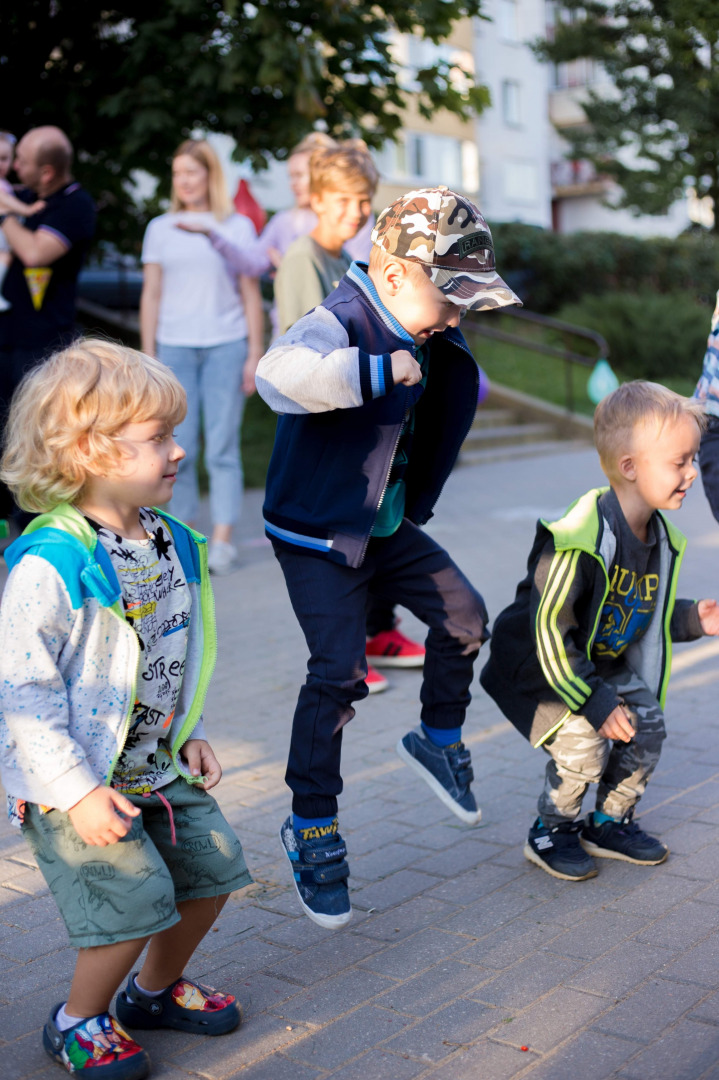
(330, 601)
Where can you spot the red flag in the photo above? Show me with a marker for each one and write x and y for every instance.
(247, 204)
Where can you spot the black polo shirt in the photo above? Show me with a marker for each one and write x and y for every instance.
(42, 316)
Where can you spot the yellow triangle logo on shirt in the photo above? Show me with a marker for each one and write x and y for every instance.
(38, 279)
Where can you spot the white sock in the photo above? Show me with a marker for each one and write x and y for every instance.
(63, 1020)
(149, 993)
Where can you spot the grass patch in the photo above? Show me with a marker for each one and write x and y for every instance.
(545, 377)
(257, 440)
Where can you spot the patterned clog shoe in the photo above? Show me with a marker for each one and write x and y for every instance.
(98, 1043)
(186, 1006)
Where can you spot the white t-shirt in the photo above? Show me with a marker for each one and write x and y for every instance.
(200, 304)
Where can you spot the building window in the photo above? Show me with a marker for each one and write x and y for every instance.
(427, 158)
(508, 20)
(511, 107)
(521, 182)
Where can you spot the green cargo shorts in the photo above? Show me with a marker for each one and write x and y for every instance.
(130, 889)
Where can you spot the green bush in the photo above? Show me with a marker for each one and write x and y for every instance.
(650, 335)
(549, 270)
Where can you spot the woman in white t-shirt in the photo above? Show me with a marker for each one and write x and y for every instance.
(206, 324)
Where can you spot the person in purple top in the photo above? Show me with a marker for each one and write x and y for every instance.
(283, 228)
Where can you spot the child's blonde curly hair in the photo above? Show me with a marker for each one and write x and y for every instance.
(67, 412)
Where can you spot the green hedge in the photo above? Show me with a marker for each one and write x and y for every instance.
(550, 269)
(650, 336)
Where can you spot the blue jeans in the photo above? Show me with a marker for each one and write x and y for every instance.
(212, 379)
(329, 600)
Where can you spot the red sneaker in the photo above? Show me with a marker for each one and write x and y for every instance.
(390, 648)
(376, 683)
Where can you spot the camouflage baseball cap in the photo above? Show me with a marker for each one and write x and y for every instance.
(447, 234)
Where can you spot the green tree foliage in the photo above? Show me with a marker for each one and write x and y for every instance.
(128, 81)
(650, 336)
(549, 270)
(659, 130)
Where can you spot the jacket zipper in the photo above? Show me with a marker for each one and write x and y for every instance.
(386, 482)
(209, 641)
(133, 694)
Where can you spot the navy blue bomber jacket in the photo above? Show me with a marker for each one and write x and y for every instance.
(340, 418)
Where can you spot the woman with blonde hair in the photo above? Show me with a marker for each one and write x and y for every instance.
(205, 323)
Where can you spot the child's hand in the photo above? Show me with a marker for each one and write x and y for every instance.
(618, 726)
(193, 226)
(101, 818)
(709, 616)
(201, 761)
(405, 368)
(248, 374)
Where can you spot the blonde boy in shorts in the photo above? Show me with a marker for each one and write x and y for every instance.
(107, 644)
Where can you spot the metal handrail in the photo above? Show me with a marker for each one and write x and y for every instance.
(480, 325)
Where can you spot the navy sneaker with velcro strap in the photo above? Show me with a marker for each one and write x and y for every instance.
(446, 769)
(319, 871)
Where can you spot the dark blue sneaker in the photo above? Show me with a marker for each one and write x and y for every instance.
(447, 770)
(622, 840)
(320, 873)
(558, 851)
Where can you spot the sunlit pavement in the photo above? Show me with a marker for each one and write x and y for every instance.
(462, 959)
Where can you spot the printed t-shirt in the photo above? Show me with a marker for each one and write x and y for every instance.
(157, 604)
(42, 316)
(307, 274)
(200, 305)
(633, 586)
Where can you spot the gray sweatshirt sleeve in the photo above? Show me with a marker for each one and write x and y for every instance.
(312, 369)
(38, 623)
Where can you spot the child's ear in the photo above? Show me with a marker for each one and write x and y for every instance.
(394, 274)
(627, 468)
(316, 202)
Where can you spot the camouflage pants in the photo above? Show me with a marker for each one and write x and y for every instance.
(581, 757)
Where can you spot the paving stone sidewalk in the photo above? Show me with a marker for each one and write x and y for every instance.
(462, 960)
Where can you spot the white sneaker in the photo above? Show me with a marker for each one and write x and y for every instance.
(221, 557)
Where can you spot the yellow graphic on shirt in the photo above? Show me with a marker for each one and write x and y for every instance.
(38, 279)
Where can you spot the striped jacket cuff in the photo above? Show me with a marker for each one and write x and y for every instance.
(375, 375)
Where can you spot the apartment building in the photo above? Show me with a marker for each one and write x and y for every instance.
(513, 158)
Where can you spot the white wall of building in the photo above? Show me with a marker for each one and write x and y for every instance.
(588, 214)
(513, 133)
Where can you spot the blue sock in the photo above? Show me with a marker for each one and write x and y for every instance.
(442, 736)
(303, 825)
(600, 817)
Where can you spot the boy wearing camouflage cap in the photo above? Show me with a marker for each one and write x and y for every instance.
(376, 390)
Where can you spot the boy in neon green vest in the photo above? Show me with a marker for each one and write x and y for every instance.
(580, 661)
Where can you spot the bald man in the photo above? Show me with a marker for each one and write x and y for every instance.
(48, 248)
